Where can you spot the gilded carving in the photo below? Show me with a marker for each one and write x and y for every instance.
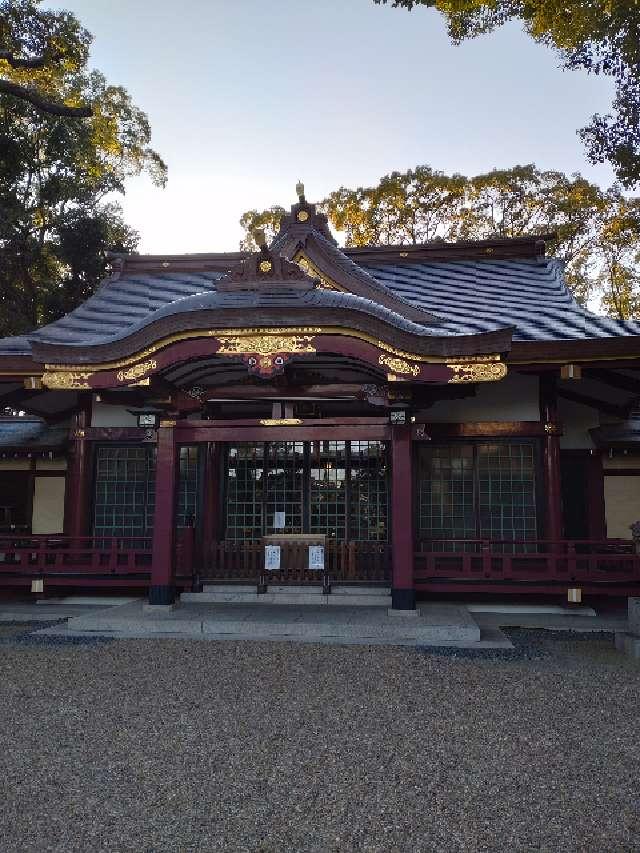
(552, 429)
(467, 371)
(310, 269)
(264, 345)
(66, 380)
(280, 422)
(399, 365)
(136, 371)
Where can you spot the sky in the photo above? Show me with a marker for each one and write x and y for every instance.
(245, 97)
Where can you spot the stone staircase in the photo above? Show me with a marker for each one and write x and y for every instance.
(346, 596)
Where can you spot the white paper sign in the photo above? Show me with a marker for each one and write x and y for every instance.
(272, 558)
(316, 558)
(278, 520)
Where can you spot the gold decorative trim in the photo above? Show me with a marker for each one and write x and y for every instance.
(78, 433)
(399, 365)
(266, 266)
(311, 269)
(136, 371)
(280, 422)
(167, 423)
(264, 344)
(58, 380)
(303, 215)
(552, 429)
(290, 330)
(477, 371)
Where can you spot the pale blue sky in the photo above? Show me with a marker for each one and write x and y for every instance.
(246, 97)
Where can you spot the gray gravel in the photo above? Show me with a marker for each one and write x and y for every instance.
(171, 745)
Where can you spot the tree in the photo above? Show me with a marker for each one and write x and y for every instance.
(409, 207)
(599, 36)
(253, 221)
(57, 174)
(598, 232)
(618, 274)
(42, 57)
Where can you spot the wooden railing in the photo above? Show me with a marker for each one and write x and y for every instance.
(541, 565)
(345, 562)
(24, 556)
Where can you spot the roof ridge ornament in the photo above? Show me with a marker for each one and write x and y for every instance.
(265, 270)
(303, 218)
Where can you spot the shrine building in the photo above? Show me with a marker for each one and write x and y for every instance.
(441, 418)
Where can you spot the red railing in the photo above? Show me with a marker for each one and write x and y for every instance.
(540, 565)
(25, 556)
(345, 562)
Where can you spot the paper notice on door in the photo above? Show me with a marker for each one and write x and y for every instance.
(316, 558)
(278, 520)
(272, 558)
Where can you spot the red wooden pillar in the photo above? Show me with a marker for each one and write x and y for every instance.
(211, 502)
(163, 589)
(77, 498)
(402, 589)
(552, 431)
(595, 498)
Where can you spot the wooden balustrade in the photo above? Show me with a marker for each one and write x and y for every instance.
(345, 562)
(481, 565)
(80, 557)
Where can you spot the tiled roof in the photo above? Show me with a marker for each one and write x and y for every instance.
(479, 296)
(123, 304)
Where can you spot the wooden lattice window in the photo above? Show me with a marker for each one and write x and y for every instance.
(480, 490)
(338, 488)
(188, 486)
(368, 491)
(124, 491)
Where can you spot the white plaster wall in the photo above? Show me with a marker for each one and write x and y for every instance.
(48, 505)
(576, 421)
(51, 465)
(622, 505)
(620, 460)
(514, 398)
(15, 464)
(103, 415)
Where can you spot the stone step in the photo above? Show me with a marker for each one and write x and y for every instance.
(230, 587)
(354, 600)
(294, 589)
(312, 595)
(360, 590)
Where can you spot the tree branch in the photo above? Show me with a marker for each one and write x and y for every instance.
(54, 109)
(33, 62)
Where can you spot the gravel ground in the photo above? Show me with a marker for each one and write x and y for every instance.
(172, 745)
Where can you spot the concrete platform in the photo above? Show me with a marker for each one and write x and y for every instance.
(340, 596)
(439, 624)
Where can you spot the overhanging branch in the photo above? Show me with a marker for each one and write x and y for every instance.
(27, 62)
(47, 106)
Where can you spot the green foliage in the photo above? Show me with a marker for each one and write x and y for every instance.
(599, 36)
(598, 232)
(266, 220)
(57, 173)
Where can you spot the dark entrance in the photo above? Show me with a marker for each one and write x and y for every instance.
(337, 490)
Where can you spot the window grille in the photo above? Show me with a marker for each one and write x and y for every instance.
(188, 486)
(477, 491)
(368, 491)
(337, 488)
(124, 491)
